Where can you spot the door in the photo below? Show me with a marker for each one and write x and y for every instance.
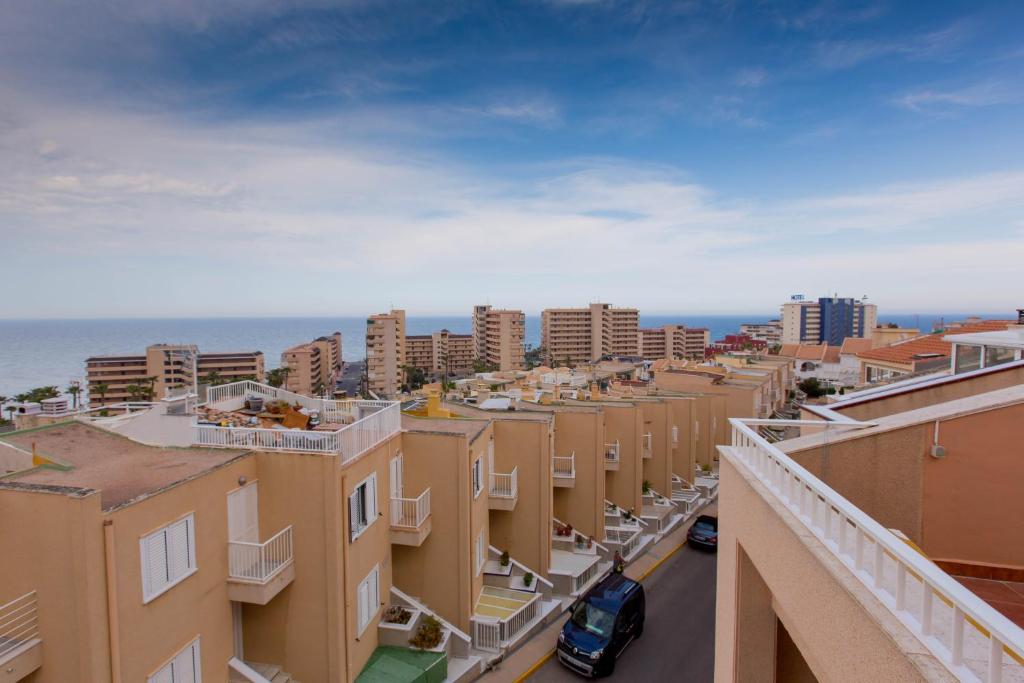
(397, 479)
(243, 514)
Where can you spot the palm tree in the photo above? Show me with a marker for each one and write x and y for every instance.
(102, 390)
(213, 378)
(278, 376)
(74, 389)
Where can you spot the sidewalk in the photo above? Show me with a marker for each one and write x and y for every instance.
(531, 656)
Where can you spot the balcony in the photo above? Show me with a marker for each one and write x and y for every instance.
(647, 445)
(410, 519)
(575, 560)
(259, 571)
(611, 456)
(563, 470)
(21, 648)
(504, 490)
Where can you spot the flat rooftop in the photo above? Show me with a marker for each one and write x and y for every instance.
(444, 425)
(122, 470)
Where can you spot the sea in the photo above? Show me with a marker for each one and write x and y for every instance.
(36, 353)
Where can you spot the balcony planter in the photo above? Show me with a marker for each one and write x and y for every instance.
(505, 558)
(429, 634)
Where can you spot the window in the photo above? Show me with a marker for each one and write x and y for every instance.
(362, 506)
(184, 668)
(368, 599)
(480, 552)
(967, 358)
(168, 557)
(478, 476)
(995, 355)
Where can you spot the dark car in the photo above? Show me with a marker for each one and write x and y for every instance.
(704, 532)
(603, 622)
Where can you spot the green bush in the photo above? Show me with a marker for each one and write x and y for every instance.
(428, 634)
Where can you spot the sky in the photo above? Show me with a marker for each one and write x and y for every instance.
(233, 158)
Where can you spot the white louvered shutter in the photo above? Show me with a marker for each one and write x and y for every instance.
(353, 514)
(154, 568)
(187, 665)
(375, 590)
(164, 675)
(371, 498)
(363, 604)
(180, 553)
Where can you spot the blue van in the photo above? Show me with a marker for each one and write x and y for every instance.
(603, 622)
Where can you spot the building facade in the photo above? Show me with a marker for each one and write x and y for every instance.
(573, 336)
(385, 353)
(827, 320)
(163, 367)
(440, 353)
(313, 367)
(770, 331)
(673, 341)
(499, 337)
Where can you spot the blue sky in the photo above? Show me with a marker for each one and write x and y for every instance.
(211, 157)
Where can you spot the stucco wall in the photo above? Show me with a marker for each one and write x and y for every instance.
(625, 425)
(582, 506)
(657, 417)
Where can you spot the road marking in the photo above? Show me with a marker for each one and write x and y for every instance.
(543, 660)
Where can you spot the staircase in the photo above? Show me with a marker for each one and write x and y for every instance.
(269, 672)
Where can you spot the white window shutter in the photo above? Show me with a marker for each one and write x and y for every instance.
(186, 665)
(371, 498)
(375, 588)
(362, 604)
(164, 675)
(353, 514)
(154, 570)
(179, 549)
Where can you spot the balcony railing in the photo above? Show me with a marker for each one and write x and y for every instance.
(505, 485)
(260, 562)
(19, 623)
(371, 423)
(611, 452)
(945, 616)
(410, 512)
(564, 466)
(648, 445)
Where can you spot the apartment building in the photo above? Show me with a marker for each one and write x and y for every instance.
(770, 331)
(673, 341)
(385, 353)
(877, 549)
(118, 378)
(755, 386)
(572, 336)
(499, 337)
(827, 320)
(441, 352)
(314, 366)
(229, 547)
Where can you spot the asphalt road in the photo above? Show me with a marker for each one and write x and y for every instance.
(350, 376)
(678, 643)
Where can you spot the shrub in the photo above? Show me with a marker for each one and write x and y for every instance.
(527, 579)
(647, 486)
(396, 614)
(505, 558)
(428, 634)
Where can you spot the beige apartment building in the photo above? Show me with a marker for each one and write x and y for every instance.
(876, 546)
(753, 386)
(385, 353)
(441, 352)
(770, 331)
(115, 379)
(573, 336)
(673, 341)
(499, 337)
(313, 366)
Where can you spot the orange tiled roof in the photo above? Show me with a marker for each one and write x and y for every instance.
(831, 354)
(907, 351)
(855, 345)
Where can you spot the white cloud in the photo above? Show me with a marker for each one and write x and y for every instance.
(978, 95)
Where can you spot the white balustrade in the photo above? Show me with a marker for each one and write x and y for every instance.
(19, 622)
(486, 634)
(410, 512)
(648, 445)
(564, 466)
(505, 484)
(260, 562)
(611, 452)
(580, 582)
(900, 577)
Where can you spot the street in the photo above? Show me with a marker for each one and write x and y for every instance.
(351, 374)
(678, 643)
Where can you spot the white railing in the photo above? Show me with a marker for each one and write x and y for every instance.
(900, 577)
(505, 485)
(627, 539)
(564, 466)
(487, 634)
(577, 542)
(648, 445)
(245, 671)
(19, 623)
(410, 512)
(513, 625)
(586, 576)
(260, 562)
(611, 452)
(675, 434)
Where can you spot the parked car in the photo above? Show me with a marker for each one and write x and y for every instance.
(602, 623)
(704, 532)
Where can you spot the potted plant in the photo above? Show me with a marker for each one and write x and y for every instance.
(627, 515)
(590, 542)
(647, 487)
(428, 634)
(527, 579)
(396, 614)
(505, 558)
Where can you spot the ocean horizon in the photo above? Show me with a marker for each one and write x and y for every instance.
(46, 352)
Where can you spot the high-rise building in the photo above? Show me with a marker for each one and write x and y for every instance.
(673, 341)
(770, 331)
(583, 335)
(828, 320)
(499, 336)
(440, 352)
(385, 352)
(313, 367)
(115, 379)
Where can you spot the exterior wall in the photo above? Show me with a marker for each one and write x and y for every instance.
(152, 633)
(525, 531)
(657, 420)
(948, 391)
(582, 506)
(499, 337)
(232, 366)
(767, 568)
(54, 546)
(385, 352)
(442, 571)
(583, 335)
(625, 424)
(743, 400)
(683, 412)
(304, 363)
